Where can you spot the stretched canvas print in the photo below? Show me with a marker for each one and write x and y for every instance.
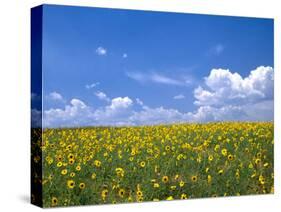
(133, 106)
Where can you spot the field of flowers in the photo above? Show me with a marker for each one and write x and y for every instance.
(100, 165)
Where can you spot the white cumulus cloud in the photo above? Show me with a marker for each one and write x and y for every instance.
(116, 113)
(77, 113)
(229, 96)
(224, 87)
(102, 96)
(55, 96)
(101, 51)
(120, 102)
(224, 96)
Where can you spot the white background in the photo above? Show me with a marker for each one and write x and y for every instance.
(15, 96)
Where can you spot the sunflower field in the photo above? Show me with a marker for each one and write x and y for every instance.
(99, 165)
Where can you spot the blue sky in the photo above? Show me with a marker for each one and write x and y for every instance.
(127, 67)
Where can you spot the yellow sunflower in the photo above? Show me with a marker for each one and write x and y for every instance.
(70, 184)
(165, 179)
(54, 201)
(194, 178)
(82, 185)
